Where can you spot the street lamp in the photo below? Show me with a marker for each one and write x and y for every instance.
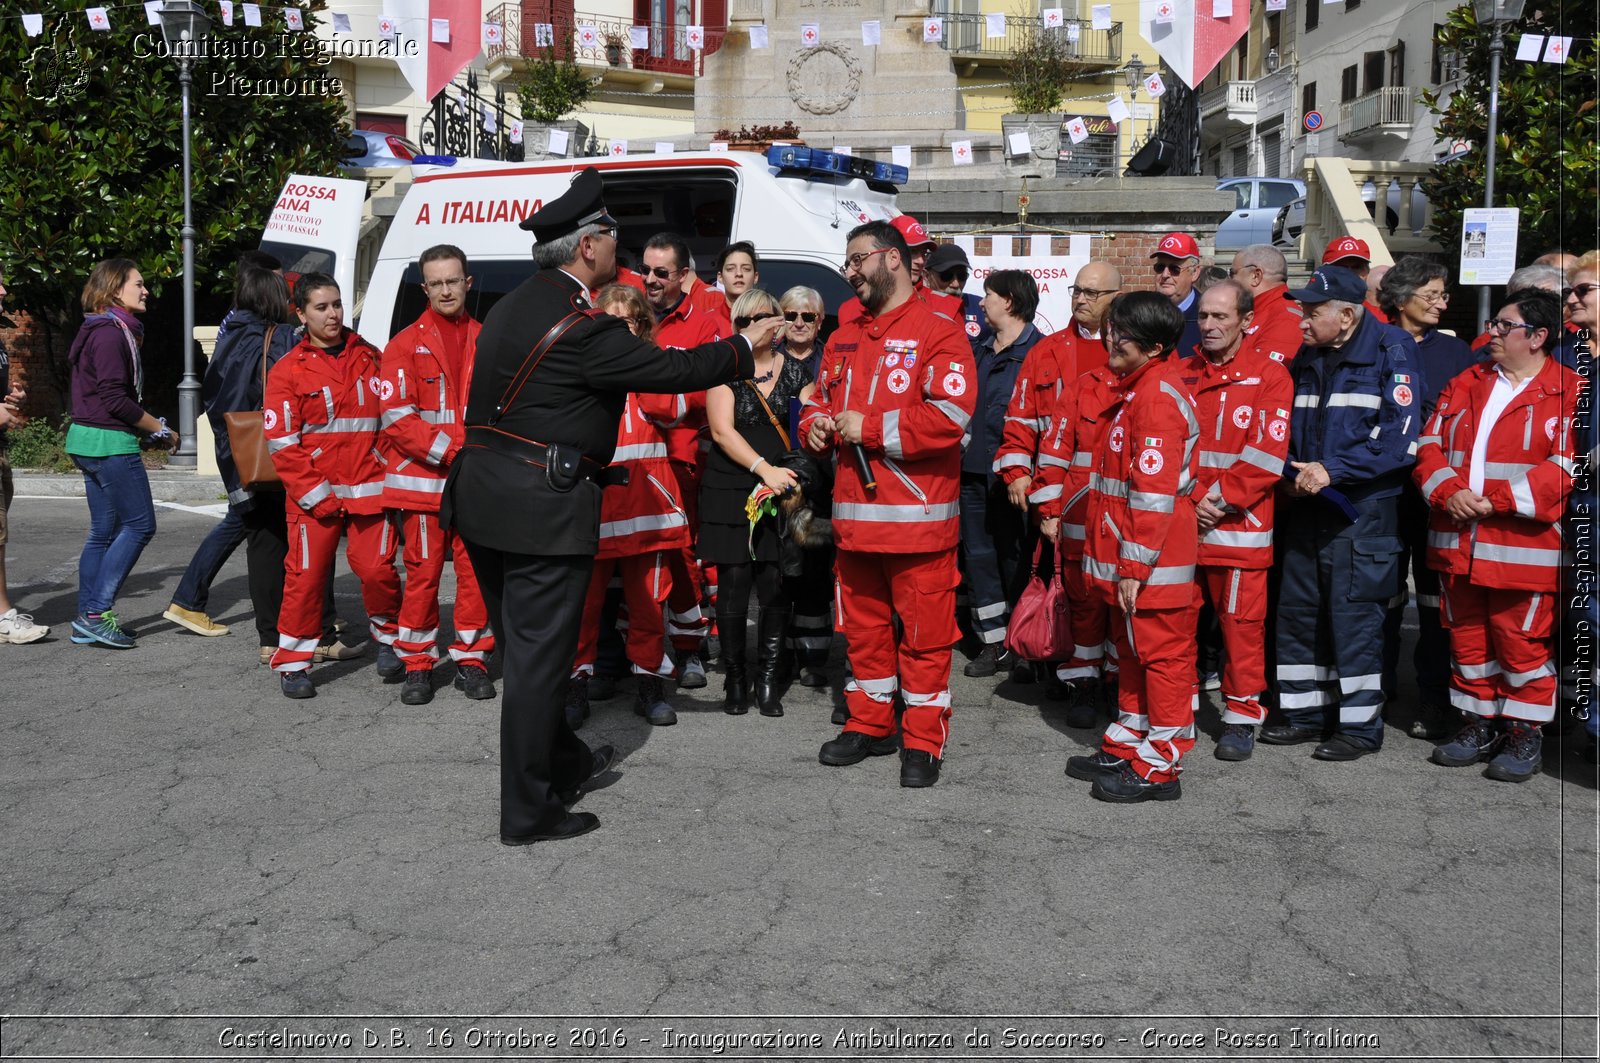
(1134, 72)
(1274, 60)
(184, 25)
(1497, 14)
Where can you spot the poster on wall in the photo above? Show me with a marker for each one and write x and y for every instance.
(1488, 244)
(1053, 274)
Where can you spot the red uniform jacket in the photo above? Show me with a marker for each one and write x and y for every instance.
(321, 422)
(689, 325)
(911, 373)
(1034, 409)
(1082, 419)
(1243, 408)
(1141, 521)
(1275, 332)
(1527, 477)
(645, 514)
(423, 408)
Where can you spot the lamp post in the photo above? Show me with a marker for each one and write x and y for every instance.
(184, 26)
(1497, 14)
(1133, 74)
(1274, 60)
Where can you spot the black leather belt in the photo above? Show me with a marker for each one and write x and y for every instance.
(536, 453)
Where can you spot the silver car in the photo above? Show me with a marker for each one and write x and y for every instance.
(1257, 201)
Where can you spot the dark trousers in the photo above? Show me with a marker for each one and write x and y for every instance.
(194, 589)
(996, 548)
(1338, 579)
(535, 605)
(1431, 657)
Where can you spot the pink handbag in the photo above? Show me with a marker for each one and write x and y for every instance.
(1040, 629)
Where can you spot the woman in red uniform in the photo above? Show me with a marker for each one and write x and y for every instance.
(321, 424)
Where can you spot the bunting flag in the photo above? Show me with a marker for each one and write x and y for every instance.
(33, 25)
(294, 18)
(1155, 86)
(617, 147)
(695, 38)
(557, 144)
(152, 12)
(758, 37)
(341, 23)
(932, 30)
(252, 14)
(995, 24)
(588, 35)
(810, 34)
(487, 114)
(1558, 49)
(961, 152)
(493, 35)
(1277, 5)
(514, 130)
(1117, 110)
(98, 19)
(1053, 18)
(639, 38)
(1188, 36)
(544, 34)
(1078, 130)
(871, 33)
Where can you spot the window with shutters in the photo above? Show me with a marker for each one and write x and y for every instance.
(1313, 14)
(1308, 97)
(1348, 84)
(1373, 66)
(1397, 63)
(1272, 155)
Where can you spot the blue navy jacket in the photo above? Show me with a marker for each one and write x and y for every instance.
(1441, 359)
(973, 317)
(997, 376)
(1358, 410)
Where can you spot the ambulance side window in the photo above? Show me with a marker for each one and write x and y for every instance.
(779, 275)
(491, 279)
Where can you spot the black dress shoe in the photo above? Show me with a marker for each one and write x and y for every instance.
(1126, 787)
(576, 823)
(601, 758)
(1343, 747)
(1092, 766)
(419, 687)
(852, 747)
(1290, 734)
(918, 768)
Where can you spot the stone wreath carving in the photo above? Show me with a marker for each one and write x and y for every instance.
(824, 79)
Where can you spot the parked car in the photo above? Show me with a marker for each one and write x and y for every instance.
(370, 148)
(1287, 225)
(1257, 201)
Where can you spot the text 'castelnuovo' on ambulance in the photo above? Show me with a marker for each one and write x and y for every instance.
(795, 205)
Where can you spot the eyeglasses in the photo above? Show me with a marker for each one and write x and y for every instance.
(610, 230)
(1080, 292)
(948, 275)
(1236, 270)
(1580, 290)
(439, 286)
(854, 262)
(1439, 299)
(800, 315)
(742, 323)
(1501, 326)
(658, 271)
(1174, 268)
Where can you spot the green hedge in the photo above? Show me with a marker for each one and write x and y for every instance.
(40, 444)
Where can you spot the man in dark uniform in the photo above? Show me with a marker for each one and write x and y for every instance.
(548, 386)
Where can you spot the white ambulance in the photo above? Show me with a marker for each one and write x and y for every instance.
(795, 204)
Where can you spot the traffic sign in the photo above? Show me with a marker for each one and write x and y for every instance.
(1313, 121)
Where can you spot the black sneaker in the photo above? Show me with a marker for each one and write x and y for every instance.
(1089, 768)
(577, 701)
(1520, 757)
(390, 666)
(419, 687)
(1237, 742)
(993, 658)
(473, 681)
(918, 768)
(1128, 787)
(852, 747)
(1474, 742)
(296, 685)
(650, 701)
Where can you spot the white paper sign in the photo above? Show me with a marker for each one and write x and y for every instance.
(1488, 244)
(872, 33)
(1117, 110)
(33, 25)
(341, 23)
(1221, 8)
(1530, 46)
(558, 142)
(1154, 85)
(98, 19)
(588, 35)
(1277, 5)
(996, 24)
(961, 152)
(1100, 17)
(932, 30)
(1077, 130)
(810, 34)
(440, 32)
(493, 34)
(665, 147)
(1165, 13)
(900, 155)
(844, 149)
(718, 147)
(1019, 143)
(1052, 273)
(1074, 32)
(152, 12)
(386, 28)
(514, 130)
(294, 18)
(1557, 50)
(695, 37)
(638, 38)
(758, 37)
(544, 34)
(489, 123)
(252, 14)
(617, 147)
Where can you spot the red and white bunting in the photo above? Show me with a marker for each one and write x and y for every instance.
(294, 18)
(695, 38)
(99, 20)
(152, 12)
(961, 152)
(932, 30)
(810, 34)
(493, 34)
(1155, 86)
(227, 11)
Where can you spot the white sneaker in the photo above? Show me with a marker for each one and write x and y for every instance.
(19, 628)
(692, 676)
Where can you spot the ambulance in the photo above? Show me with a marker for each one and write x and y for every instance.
(795, 204)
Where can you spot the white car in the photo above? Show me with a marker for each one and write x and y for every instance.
(1257, 201)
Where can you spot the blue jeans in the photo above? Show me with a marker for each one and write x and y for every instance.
(122, 521)
(194, 590)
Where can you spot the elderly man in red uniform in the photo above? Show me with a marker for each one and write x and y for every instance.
(895, 392)
(1140, 554)
(1242, 399)
(425, 373)
(1275, 328)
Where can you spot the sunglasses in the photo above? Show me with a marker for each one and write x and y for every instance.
(1502, 326)
(1580, 290)
(799, 315)
(742, 323)
(952, 274)
(658, 271)
(1174, 268)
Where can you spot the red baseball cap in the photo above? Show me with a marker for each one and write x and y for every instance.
(912, 230)
(1346, 247)
(1177, 245)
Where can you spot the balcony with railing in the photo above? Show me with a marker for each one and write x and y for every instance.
(1384, 111)
(966, 38)
(598, 40)
(1233, 102)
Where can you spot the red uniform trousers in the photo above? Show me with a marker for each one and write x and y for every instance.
(646, 581)
(1093, 652)
(1154, 727)
(687, 623)
(1239, 596)
(308, 568)
(416, 642)
(921, 589)
(1500, 642)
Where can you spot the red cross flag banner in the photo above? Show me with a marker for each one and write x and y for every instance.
(618, 148)
(588, 35)
(810, 34)
(1191, 39)
(98, 19)
(294, 18)
(695, 37)
(1557, 50)
(493, 34)
(1155, 86)
(932, 30)
(1053, 18)
(961, 152)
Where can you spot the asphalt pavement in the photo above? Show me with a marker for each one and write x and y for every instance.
(197, 867)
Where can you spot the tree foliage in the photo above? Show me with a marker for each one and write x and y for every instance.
(554, 86)
(1546, 162)
(1041, 69)
(92, 156)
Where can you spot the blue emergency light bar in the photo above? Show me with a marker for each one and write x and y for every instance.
(433, 160)
(797, 157)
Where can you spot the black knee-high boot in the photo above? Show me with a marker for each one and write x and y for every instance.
(736, 681)
(773, 626)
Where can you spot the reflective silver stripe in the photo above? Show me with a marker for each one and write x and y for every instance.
(650, 522)
(1522, 497)
(1107, 486)
(1428, 601)
(1073, 531)
(1515, 555)
(1053, 462)
(1475, 671)
(1306, 673)
(1433, 441)
(867, 511)
(393, 416)
(988, 612)
(1131, 551)
(1307, 699)
(1100, 570)
(426, 485)
(1047, 493)
(371, 490)
(1307, 401)
(315, 495)
(1166, 576)
(891, 434)
(441, 443)
(1564, 464)
(240, 494)
(1082, 459)
(1533, 610)
(878, 689)
(1350, 398)
(1518, 679)
(1262, 460)
(344, 424)
(1241, 539)
(438, 416)
(1012, 461)
(1444, 540)
(1217, 459)
(283, 442)
(957, 415)
(1506, 470)
(1437, 480)
(1476, 706)
(636, 451)
(1185, 407)
(1037, 424)
(1151, 501)
(1349, 684)
(1411, 449)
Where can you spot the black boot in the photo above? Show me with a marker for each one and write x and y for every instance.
(770, 633)
(736, 681)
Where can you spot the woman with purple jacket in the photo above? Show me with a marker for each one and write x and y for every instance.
(108, 422)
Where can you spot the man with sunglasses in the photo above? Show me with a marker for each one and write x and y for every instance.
(948, 270)
(1275, 329)
(682, 322)
(1176, 263)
